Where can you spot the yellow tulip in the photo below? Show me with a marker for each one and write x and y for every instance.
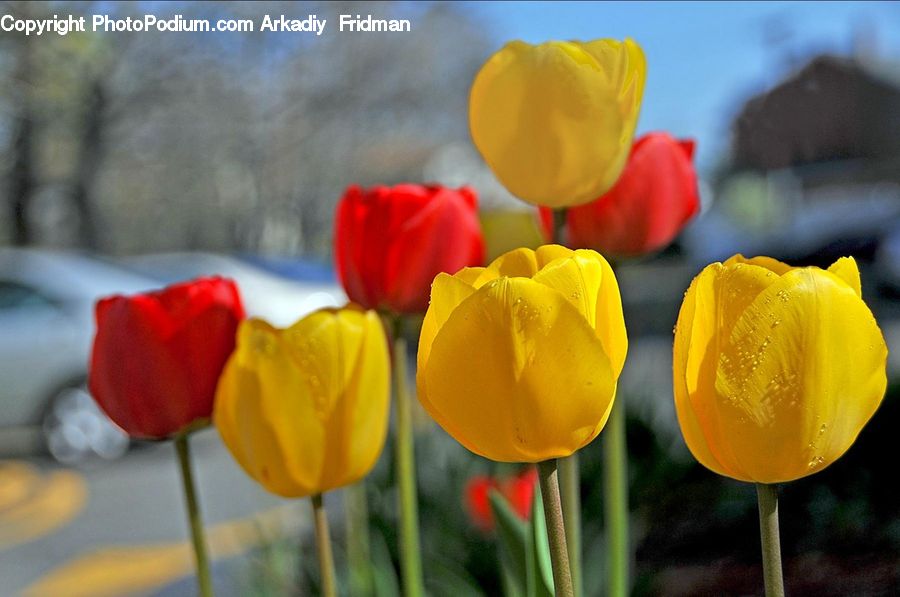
(305, 409)
(776, 369)
(555, 121)
(519, 361)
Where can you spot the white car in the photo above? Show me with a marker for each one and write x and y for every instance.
(47, 326)
(279, 300)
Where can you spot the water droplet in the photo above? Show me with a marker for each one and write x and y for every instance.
(776, 323)
(262, 343)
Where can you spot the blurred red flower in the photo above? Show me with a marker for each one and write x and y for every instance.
(390, 242)
(157, 356)
(518, 491)
(654, 198)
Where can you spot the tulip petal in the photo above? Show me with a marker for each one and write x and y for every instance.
(773, 265)
(356, 430)
(547, 253)
(503, 361)
(578, 279)
(722, 294)
(324, 347)
(691, 425)
(469, 274)
(447, 292)
(258, 424)
(792, 401)
(846, 269)
(520, 263)
(588, 281)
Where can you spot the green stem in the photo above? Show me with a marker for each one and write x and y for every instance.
(570, 489)
(406, 472)
(556, 529)
(615, 490)
(559, 226)
(323, 547)
(193, 511)
(356, 510)
(767, 497)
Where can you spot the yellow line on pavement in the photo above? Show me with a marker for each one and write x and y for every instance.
(32, 505)
(125, 570)
(17, 480)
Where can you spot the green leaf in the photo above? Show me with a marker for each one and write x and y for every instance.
(513, 534)
(541, 570)
(383, 573)
(445, 580)
(512, 586)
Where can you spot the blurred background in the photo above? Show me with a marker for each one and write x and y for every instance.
(132, 160)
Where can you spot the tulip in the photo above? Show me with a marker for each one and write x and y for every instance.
(764, 389)
(157, 357)
(390, 242)
(776, 371)
(518, 361)
(555, 121)
(304, 410)
(518, 491)
(647, 207)
(155, 363)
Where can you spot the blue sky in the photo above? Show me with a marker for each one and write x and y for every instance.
(705, 58)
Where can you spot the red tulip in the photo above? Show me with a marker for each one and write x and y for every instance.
(390, 242)
(157, 357)
(518, 491)
(654, 198)
(478, 502)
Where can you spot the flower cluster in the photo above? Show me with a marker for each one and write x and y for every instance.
(518, 360)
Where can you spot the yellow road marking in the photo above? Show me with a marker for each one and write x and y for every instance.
(17, 480)
(32, 505)
(125, 570)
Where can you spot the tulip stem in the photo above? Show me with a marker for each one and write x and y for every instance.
(323, 547)
(556, 529)
(570, 488)
(201, 559)
(356, 510)
(559, 226)
(767, 497)
(406, 472)
(615, 489)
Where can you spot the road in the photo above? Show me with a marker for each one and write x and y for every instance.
(119, 527)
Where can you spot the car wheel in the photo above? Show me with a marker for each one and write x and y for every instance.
(76, 430)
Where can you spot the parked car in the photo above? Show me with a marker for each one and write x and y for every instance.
(46, 318)
(47, 325)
